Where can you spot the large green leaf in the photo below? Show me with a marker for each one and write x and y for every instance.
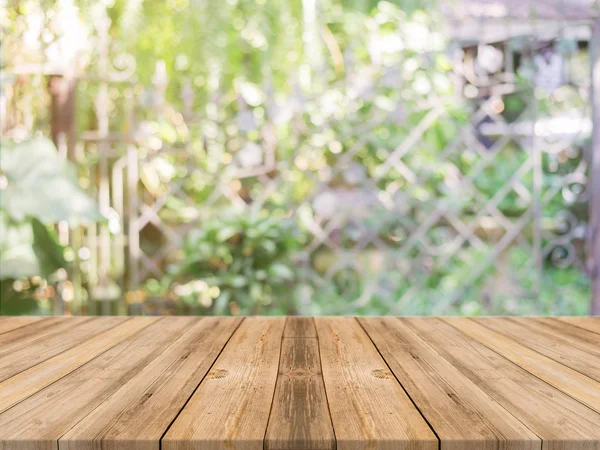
(27, 249)
(49, 252)
(17, 257)
(40, 184)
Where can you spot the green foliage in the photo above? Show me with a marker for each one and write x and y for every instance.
(313, 107)
(240, 263)
(27, 249)
(343, 106)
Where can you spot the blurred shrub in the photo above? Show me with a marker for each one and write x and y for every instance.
(254, 102)
(239, 263)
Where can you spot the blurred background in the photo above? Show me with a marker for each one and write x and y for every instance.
(299, 157)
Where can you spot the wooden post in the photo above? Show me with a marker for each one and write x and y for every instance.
(593, 244)
(62, 111)
(62, 91)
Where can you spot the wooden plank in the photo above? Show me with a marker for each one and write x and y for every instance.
(142, 409)
(37, 332)
(558, 375)
(587, 323)
(300, 414)
(230, 409)
(575, 335)
(36, 378)
(535, 336)
(19, 356)
(12, 323)
(31, 331)
(369, 409)
(560, 421)
(160, 380)
(300, 327)
(38, 422)
(463, 416)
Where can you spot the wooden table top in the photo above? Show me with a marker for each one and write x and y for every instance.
(179, 383)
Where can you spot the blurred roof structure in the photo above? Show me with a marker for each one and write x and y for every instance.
(523, 9)
(500, 20)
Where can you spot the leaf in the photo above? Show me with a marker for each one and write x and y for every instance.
(237, 281)
(40, 185)
(17, 257)
(281, 271)
(28, 249)
(49, 252)
(269, 246)
(225, 233)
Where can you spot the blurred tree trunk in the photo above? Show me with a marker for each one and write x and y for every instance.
(594, 184)
(62, 113)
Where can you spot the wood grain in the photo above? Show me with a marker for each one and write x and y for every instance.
(300, 414)
(36, 378)
(574, 335)
(33, 330)
(369, 409)
(142, 409)
(463, 416)
(230, 409)
(38, 332)
(183, 383)
(560, 421)
(547, 342)
(38, 422)
(570, 381)
(21, 355)
(300, 327)
(587, 323)
(12, 323)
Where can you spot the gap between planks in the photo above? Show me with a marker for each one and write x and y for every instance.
(427, 421)
(160, 446)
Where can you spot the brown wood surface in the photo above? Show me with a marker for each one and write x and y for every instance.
(26, 353)
(584, 357)
(300, 327)
(553, 372)
(580, 337)
(36, 378)
(300, 413)
(559, 420)
(39, 421)
(143, 408)
(369, 409)
(587, 323)
(12, 323)
(231, 407)
(183, 383)
(461, 413)
(23, 334)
